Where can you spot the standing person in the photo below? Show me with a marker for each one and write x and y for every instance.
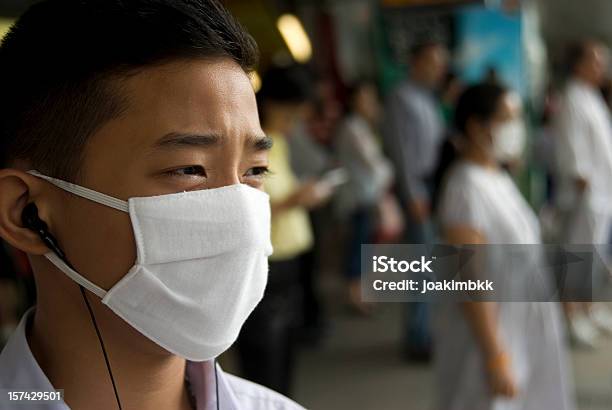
(267, 342)
(414, 131)
(370, 177)
(543, 145)
(495, 355)
(309, 158)
(584, 154)
(131, 173)
(370, 174)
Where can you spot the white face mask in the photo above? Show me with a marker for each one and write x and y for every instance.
(509, 140)
(201, 265)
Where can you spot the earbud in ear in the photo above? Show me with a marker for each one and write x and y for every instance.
(31, 220)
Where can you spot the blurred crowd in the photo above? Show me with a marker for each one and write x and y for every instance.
(433, 161)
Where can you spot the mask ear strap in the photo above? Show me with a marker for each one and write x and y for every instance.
(86, 193)
(75, 276)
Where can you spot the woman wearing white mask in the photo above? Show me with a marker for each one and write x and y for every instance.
(489, 355)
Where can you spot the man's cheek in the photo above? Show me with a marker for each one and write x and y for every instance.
(101, 243)
(121, 255)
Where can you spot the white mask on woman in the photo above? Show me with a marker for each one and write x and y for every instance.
(509, 140)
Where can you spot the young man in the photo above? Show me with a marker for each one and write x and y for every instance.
(132, 167)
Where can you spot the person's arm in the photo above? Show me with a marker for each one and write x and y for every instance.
(309, 195)
(351, 147)
(482, 318)
(572, 144)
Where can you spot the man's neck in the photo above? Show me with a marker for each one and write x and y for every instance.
(479, 157)
(585, 82)
(67, 349)
(420, 82)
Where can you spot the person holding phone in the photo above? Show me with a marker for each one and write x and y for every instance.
(267, 343)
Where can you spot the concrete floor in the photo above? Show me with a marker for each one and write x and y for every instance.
(359, 367)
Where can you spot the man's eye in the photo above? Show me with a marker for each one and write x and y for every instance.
(194, 170)
(257, 172)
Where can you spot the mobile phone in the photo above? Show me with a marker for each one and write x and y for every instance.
(335, 177)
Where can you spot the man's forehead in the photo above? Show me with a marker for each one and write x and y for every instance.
(195, 102)
(194, 79)
(199, 94)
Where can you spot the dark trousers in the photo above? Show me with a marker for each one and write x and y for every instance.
(267, 342)
(361, 233)
(311, 305)
(417, 337)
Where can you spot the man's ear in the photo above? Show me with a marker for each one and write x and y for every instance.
(17, 189)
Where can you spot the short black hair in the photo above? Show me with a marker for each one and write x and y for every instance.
(62, 61)
(480, 101)
(356, 87)
(290, 84)
(286, 84)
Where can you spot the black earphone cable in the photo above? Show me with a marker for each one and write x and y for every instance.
(216, 382)
(108, 366)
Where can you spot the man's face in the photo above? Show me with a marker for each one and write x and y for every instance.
(188, 125)
(367, 103)
(282, 117)
(432, 65)
(595, 64)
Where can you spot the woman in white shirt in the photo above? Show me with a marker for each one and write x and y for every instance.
(494, 355)
(371, 175)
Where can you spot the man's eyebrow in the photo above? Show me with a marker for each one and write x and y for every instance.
(261, 142)
(177, 139)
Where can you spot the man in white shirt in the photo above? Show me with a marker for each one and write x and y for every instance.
(584, 157)
(206, 382)
(141, 123)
